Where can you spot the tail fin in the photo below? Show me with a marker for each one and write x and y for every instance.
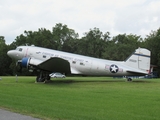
(140, 59)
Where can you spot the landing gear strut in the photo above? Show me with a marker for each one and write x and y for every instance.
(42, 77)
(129, 79)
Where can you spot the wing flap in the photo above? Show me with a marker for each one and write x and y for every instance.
(55, 64)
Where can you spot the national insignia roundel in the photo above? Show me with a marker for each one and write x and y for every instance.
(114, 68)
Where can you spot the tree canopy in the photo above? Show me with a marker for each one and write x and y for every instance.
(94, 43)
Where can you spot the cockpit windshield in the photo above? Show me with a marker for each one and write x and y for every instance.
(19, 49)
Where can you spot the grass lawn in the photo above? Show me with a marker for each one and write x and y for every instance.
(82, 98)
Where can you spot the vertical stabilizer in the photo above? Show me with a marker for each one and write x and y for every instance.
(140, 59)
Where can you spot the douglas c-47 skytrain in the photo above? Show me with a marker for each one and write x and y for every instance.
(47, 61)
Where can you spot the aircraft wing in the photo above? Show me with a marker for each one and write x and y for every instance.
(55, 64)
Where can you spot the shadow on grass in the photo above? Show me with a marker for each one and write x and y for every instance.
(142, 81)
(94, 81)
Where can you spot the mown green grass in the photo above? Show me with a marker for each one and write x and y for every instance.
(82, 98)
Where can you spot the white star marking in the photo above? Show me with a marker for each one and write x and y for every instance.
(114, 68)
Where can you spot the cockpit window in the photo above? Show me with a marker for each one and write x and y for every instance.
(19, 49)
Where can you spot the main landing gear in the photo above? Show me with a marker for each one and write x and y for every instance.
(42, 77)
(129, 79)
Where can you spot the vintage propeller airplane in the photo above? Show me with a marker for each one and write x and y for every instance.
(47, 61)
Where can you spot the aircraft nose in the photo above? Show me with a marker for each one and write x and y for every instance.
(10, 53)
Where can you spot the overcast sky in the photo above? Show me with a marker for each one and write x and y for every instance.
(115, 16)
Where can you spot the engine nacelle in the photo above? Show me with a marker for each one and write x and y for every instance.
(26, 62)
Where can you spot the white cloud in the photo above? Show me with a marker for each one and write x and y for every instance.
(114, 16)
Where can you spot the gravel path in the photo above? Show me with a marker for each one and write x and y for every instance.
(7, 115)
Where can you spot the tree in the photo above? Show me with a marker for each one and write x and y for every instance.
(41, 38)
(93, 43)
(153, 44)
(121, 46)
(4, 59)
(64, 38)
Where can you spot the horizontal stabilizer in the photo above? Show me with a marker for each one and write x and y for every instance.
(137, 73)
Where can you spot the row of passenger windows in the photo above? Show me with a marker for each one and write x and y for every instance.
(74, 62)
(44, 56)
(81, 63)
